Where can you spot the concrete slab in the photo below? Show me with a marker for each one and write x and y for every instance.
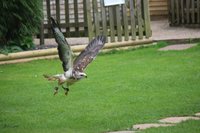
(123, 132)
(178, 119)
(162, 31)
(177, 47)
(197, 114)
(150, 125)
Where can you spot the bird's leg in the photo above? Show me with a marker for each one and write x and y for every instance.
(55, 90)
(66, 90)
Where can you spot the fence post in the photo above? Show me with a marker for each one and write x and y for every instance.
(182, 12)
(139, 18)
(42, 32)
(198, 11)
(193, 11)
(85, 18)
(104, 19)
(76, 18)
(125, 20)
(188, 11)
(133, 19)
(147, 19)
(58, 10)
(89, 20)
(42, 28)
(119, 25)
(96, 17)
(111, 21)
(48, 15)
(67, 18)
(129, 19)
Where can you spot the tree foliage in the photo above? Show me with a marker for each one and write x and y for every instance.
(19, 21)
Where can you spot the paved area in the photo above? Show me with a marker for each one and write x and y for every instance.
(72, 41)
(160, 29)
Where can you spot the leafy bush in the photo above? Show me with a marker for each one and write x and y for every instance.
(19, 21)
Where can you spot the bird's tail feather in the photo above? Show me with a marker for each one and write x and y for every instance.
(54, 24)
(50, 78)
(58, 35)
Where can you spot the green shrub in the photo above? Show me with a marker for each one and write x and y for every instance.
(19, 21)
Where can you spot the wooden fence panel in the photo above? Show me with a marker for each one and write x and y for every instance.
(184, 12)
(129, 19)
(90, 18)
(71, 14)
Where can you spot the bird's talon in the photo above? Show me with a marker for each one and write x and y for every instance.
(66, 90)
(55, 91)
(66, 93)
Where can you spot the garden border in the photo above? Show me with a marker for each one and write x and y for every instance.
(52, 52)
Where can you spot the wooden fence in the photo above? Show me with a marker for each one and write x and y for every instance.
(90, 18)
(70, 15)
(129, 19)
(184, 12)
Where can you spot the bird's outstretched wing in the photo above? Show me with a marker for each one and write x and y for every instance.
(90, 52)
(64, 51)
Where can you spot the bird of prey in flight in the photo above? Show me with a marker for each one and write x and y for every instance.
(73, 68)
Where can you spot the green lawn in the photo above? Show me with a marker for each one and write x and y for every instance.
(122, 89)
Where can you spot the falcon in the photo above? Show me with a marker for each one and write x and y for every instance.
(73, 68)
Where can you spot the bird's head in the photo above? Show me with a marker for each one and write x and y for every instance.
(81, 75)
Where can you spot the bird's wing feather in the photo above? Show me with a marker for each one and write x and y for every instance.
(64, 51)
(90, 52)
